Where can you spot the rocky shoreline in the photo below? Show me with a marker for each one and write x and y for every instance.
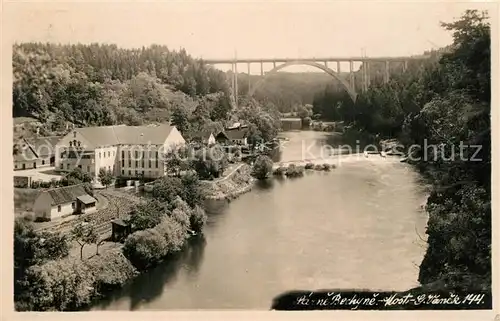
(230, 187)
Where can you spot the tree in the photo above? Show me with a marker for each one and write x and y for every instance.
(303, 112)
(84, 233)
(192, 190)
(106, 177)
(78, 176)
(177, 159)
(147, 215)
(198, 219)
(262, 167)
(210, 162)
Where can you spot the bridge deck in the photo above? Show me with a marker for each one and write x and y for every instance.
(322, 59)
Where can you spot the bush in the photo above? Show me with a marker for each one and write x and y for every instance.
(327, 167)
(61, 285)
(145, 248)
(174, 234)
(279, 171)
(182, 216)
(198, 219)
(309, 166)
(262, 167)
(318, 167)
(147, 215)
(69, 284)
(294, 171)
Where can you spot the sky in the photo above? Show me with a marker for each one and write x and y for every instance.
(247, 29)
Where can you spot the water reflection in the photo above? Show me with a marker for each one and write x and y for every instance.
(150, 285)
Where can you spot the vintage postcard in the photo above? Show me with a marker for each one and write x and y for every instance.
(324, 156)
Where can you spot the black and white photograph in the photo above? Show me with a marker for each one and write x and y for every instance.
(265, 156)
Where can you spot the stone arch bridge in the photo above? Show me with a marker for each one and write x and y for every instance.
(320, 63)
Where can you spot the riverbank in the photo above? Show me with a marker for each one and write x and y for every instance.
(238, 182)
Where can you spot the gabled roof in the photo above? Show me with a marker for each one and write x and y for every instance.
(204, 134)
(221, 135)
(25, 152)
(237, 134)
(66, 194)
(23, 120)
(125, 135)
(86, 199)
(44, 146)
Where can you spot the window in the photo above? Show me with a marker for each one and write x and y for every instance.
(109, 154)
(15, 166)
(123, 163)
(149, 163)
(62, 166)
(73, 205)
(109, 168)
(74, 134)
(58, 208)
(143, 155)
(70, 144)
(123, 154)
(67, 166)
(136, 154)
(142, 173)
(136, 163)
(79, 143)
(123, 172)
(142, 163)
(80, 166)
(99, 154)
(129, 172)
(43, 162)
(88, 168)
(129, 163)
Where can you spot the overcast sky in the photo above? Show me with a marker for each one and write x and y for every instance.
(252, 29)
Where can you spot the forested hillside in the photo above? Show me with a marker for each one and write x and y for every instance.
(439, 108)
(102, 85)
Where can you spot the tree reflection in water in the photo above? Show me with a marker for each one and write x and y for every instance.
(151, 284)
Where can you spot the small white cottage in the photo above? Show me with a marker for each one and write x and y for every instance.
(61, 201)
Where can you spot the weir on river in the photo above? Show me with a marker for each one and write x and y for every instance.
(338, 229)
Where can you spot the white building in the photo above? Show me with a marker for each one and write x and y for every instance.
(58, 202)
(127, 151)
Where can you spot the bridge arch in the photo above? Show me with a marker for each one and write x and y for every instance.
(329, 71)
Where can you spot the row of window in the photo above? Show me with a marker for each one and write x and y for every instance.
(136, 154)
(142, 163)
(143, 173)
(109, 154)
(24, 165)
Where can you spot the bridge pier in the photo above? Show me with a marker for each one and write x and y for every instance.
(248, 68)
(351, 72)
(386, 76)
(262, 69)
(368, 79)
(338, 66)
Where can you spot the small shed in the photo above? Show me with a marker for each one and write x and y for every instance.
(85, 204)
(120, 229)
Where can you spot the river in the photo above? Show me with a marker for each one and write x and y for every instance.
(358, 226)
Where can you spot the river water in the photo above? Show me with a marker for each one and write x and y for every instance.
(356, 227)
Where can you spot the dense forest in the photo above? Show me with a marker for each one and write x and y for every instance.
(440, 105)
(103, 85)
